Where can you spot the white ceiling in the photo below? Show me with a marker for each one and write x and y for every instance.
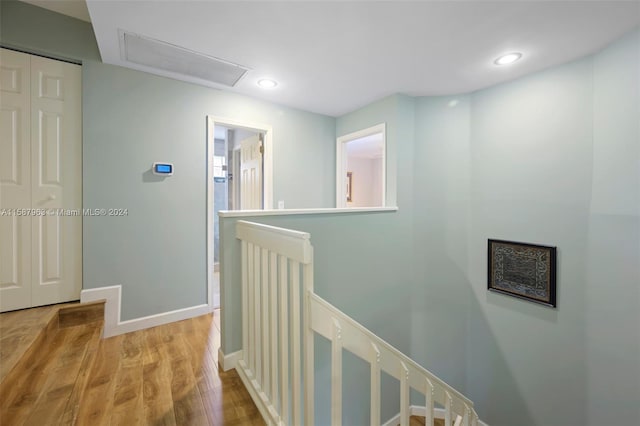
(333, 57)
(369, 147)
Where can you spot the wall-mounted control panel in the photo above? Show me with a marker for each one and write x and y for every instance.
(163, 169)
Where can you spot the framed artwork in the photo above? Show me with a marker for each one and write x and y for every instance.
(526, 271)
(349, 186)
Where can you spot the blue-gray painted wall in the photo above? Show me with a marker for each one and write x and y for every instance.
(552, 158)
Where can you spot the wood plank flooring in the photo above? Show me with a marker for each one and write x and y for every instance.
(165, 375)
(79, 314)
(420, 421)
(18, 331)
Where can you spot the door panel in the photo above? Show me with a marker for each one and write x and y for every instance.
(15, 288)
(251, 173)
(50, 245)
(49, 142)
(15, 181)
(56, 175)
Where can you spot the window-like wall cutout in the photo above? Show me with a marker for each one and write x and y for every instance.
(361, 168)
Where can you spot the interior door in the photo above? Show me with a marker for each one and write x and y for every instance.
(15, 181)
(40, 181)
(251, 173)
(56, 176)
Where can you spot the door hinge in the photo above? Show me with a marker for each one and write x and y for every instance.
(261, 149)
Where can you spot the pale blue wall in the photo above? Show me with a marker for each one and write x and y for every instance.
(130, 119)
(552, 158)
(612, 293)
(161, 245)
(531, 154)
(442, 171)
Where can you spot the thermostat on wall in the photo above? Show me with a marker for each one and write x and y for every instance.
(163, 169)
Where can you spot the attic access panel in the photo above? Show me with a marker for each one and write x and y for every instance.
(168, 57)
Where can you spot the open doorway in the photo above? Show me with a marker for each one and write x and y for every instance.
(237, 174)
(239, 160)
(361, 168)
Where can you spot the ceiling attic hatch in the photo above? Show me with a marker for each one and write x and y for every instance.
(168, 57)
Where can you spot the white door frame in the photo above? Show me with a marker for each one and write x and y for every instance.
(341, 162)
(267, 182)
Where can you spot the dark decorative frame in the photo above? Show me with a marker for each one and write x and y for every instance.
(349, 186)
(526, 271)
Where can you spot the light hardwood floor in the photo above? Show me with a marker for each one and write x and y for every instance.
(165, 375)
(420, 421)
(18, 331)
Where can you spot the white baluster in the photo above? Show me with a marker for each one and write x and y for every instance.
(295, 342)
(336, 375)
(404, 395)
(467, 416)
(447, 408)
(266, 337)
(309, 366)
(251, 293)
(428, 417)
(273, 325)
(245, 303)
(284, 340)
(258, 317)
(375, 385)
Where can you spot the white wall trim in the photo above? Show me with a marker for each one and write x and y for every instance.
(285, 212)
(420, 410)
(228, 362)
(113, 326)
(210, 249)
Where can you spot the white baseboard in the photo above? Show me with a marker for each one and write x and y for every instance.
(419, 410)
(228, 362)
(112, 324)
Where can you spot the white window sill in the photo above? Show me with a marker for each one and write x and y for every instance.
(286, 212)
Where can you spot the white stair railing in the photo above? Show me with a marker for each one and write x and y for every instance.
(277, 269)
(277, 364)
(345, 333)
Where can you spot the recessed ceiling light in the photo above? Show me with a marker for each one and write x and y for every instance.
(266, 83)
(509, 58)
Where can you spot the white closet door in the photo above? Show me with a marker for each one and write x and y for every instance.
(40, 170)
(56, 176)
(15, 181)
